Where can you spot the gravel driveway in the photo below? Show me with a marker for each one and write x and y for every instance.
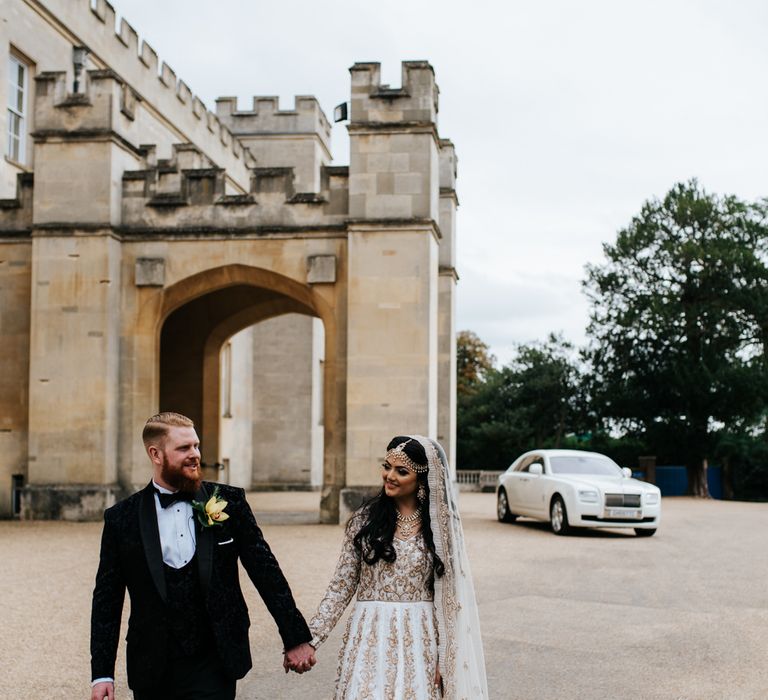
(600, 615)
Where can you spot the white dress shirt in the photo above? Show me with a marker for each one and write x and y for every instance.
(176, 525)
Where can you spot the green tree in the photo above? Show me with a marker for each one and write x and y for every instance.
(545, 379)
(744, 458)
(473, 362)
(679, 324)
(527, 404)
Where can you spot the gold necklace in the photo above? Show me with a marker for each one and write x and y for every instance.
(408, 523)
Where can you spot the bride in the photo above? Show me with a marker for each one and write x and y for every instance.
(414, 632)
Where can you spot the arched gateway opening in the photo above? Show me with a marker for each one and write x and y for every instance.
(201, 315)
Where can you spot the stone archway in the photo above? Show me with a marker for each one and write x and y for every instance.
(162, 233)
(190, 341)
(200, 313)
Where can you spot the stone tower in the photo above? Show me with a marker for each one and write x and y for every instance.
(143, 233)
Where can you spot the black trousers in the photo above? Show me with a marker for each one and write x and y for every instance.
(199, 677)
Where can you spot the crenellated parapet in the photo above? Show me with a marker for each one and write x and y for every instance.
(106, 105)
(171, 198)
(188, 176)
(298, 138)
(152, 81)
(266, 117)
(415, 102)
(394, 144)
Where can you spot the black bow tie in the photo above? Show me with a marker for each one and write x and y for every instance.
(167, 498)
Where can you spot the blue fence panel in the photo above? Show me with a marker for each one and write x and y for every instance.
(673, 481)
(715, 481)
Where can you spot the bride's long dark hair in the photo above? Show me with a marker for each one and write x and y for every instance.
(374, 539)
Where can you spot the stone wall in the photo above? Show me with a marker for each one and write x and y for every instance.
(146, 238)
(282, 402)
(15, 270)
(236, 410)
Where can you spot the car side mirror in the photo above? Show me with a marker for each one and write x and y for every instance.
(626, 472)
(536, 470)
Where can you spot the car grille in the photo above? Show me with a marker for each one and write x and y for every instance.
(597, 519)
(622, 500)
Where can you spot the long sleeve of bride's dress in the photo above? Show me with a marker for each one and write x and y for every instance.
(340, 590)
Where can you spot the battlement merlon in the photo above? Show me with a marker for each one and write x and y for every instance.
(266, 117)
(448, 167)
(92, 23)
(98, 108)
(416, 102)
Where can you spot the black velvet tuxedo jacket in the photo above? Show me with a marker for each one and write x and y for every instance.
(131, 559)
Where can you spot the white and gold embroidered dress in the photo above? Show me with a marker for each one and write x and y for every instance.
(406, 621)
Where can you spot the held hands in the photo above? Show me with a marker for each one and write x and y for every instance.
(299, 659)
(103, 690)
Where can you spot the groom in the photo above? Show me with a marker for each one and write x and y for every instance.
(188, 627)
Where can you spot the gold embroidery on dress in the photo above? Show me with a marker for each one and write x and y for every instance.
(392, 649)
(410, 671)
(361, 673)
(341, 588)
(408, 579)
(430, 662)
(343, 683)
(368, 676)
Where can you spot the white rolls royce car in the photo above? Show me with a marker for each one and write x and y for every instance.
(571, 488)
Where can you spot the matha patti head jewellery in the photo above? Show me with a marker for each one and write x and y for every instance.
(408, 463)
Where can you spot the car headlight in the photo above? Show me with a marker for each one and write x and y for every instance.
(652, 498)
(588, 496)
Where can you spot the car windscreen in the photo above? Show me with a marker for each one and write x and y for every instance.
(584, 465)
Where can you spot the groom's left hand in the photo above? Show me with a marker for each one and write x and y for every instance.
(300, 659)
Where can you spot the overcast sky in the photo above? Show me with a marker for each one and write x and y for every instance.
(566, 116)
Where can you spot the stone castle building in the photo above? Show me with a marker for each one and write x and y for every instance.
(155, 255)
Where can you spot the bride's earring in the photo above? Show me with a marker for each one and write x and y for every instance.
(421, 494)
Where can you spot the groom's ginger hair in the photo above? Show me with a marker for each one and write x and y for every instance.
(156, 427)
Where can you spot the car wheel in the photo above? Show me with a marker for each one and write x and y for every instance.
(558, 517)
(645, 532)
(502, 508)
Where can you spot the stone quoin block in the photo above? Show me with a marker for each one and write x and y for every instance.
(150, 272)
(321, 269)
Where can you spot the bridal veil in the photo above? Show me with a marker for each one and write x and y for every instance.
(460, 645)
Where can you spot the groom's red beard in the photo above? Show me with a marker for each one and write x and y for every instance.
(178, 477)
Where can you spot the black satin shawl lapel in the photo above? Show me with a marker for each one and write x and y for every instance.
(150, 538)
(204, 546)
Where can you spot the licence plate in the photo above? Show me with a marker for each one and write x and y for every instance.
(626, 513)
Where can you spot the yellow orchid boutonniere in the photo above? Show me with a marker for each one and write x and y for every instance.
(211, 512)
